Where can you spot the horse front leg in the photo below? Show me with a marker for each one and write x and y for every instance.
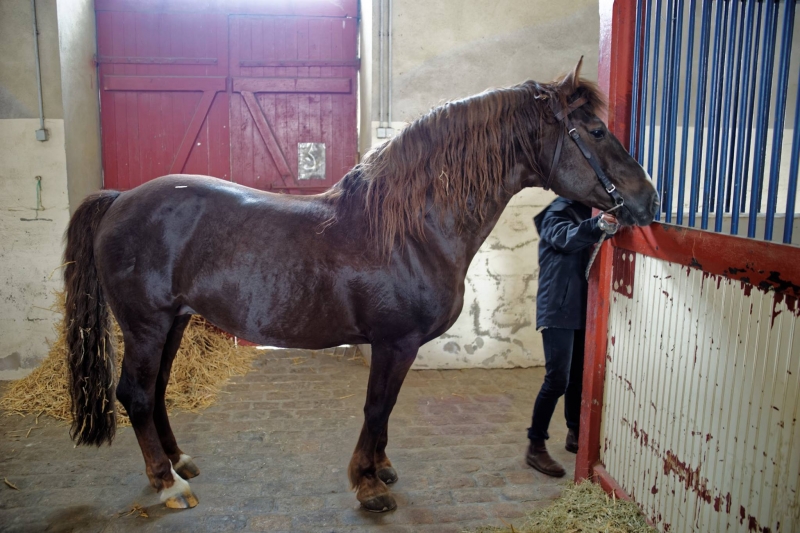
(390, 364)
(383, 466)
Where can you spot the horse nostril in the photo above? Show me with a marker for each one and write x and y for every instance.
(656, 201)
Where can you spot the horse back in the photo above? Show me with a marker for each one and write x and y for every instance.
(275, 269)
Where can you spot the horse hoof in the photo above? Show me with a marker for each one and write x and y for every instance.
(186, 467)
(182, 501)
(387, 474)
(380, 504)
(179, 495)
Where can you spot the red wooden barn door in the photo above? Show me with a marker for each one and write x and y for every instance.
(294, 83)
(178, 76)
(163, 99)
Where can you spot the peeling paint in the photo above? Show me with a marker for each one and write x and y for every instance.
(700, 398)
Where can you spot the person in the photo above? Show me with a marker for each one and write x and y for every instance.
(567, 234)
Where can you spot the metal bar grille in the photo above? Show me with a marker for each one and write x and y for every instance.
(714, 114)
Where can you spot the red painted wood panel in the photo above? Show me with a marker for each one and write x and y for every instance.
(325, 8)
(172, 76)
(282, 62)
(163, 95)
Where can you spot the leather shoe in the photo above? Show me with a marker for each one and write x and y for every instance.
(538, 458)
(572, 441)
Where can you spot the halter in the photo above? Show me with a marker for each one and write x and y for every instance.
(562, 115)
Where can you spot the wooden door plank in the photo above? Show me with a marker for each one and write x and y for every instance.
(200, 113)
(268, 136)
(164, 83)
(293, 85)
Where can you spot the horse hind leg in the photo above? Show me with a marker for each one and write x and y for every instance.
(390, 364)
(181, 462)
(136, 392)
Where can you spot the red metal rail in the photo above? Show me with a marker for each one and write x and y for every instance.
(615, 77)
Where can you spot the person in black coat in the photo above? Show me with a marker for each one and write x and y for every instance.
(567, 234)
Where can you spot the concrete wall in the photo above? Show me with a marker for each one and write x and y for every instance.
(77, 44)
(30, 247)
(451, 49)
(18, 95)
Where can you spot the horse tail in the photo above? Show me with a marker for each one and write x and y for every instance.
(90, 346)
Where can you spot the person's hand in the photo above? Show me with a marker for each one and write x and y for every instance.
(608, 223)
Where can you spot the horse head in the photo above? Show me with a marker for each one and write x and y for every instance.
(583, 161)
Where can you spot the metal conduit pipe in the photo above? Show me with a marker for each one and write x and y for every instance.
(41, 133)
(380, 66)
(389, 39)
(385, 65)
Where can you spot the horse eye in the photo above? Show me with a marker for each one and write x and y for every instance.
(598, 134)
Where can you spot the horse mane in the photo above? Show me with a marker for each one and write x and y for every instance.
(457, 154)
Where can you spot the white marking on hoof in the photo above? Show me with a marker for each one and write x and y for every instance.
(182, 461)
(180, 486)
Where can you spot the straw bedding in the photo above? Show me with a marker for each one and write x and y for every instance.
(206, 359)
(582, 508)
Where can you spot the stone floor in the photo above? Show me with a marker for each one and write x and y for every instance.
(273, 453)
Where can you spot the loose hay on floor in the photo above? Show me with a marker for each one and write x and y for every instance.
(205, 360)
(582, 508)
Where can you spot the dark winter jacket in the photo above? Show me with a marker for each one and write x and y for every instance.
(567, 232)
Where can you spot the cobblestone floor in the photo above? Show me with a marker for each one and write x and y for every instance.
(273, 454)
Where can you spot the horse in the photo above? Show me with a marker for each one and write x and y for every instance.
(380, 258)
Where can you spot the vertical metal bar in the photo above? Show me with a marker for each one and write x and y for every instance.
(750, 112)
(666, 104)
(764, 95)
(780, 115)
(645, 69)
(712, 137)
(699, 114)
(726, 122)
(651, 144)
(687, 92)
(635, 100)
(793, 167)
(745, 39)
(673, 114)
(745, 118)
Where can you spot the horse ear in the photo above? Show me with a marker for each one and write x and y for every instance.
(571, 81)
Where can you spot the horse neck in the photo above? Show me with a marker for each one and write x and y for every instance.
(461, 244)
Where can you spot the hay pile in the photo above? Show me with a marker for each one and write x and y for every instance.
(582, 508)
(206, 359)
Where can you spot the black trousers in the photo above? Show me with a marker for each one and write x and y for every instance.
(563, 354)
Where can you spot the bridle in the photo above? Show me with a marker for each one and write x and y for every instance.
(562, 115)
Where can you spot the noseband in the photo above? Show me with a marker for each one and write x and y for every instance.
(562, 115)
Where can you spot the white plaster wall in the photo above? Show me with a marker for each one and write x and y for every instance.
(451, 49)
(497, 328)
(30, 240)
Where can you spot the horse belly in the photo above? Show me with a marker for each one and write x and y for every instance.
(309, 321)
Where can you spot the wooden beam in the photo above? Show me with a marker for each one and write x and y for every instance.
(301, 63)
(164, 83)
(118, 60)
(292, 85)
(200, 114)
(269, 137)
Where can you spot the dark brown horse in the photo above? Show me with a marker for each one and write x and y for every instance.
(380, 258)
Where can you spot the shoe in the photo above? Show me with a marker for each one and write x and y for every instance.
(572, 441)
(538, 458)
